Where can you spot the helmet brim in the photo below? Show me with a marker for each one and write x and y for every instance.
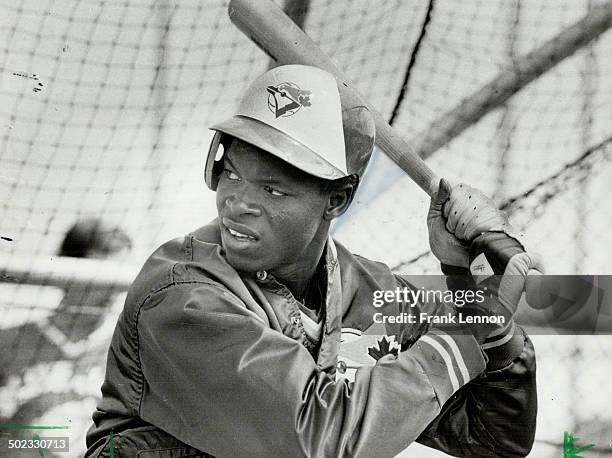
(280, 145)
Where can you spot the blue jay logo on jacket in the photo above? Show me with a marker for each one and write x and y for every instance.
(359, 349)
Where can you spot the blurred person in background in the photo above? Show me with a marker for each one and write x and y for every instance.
(49, 368)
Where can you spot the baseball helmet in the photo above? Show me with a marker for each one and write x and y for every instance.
(295, 113)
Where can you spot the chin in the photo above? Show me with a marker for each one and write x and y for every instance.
(243, 265)
(245, 262)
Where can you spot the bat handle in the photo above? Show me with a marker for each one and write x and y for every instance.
(404, 155)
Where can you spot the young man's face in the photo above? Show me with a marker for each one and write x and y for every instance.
(271, 214)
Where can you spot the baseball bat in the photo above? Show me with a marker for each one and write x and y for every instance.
(267, 25)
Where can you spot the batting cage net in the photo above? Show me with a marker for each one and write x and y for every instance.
(104, 113)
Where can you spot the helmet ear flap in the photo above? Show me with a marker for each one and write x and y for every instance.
(359, 136)
(214, 159)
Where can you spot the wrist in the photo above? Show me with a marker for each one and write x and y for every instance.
(448, 269)
(491, 251)
(504, 347)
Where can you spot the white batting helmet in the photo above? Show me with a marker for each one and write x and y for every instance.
(295, 113)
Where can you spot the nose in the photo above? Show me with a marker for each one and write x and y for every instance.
(242, 204)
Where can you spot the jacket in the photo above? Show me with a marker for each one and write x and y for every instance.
(205, 361)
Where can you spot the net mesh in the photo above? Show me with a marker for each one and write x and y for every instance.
(105, 108)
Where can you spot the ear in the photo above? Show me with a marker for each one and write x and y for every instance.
(340, 197)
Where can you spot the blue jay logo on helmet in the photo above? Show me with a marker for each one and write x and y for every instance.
(286, 99)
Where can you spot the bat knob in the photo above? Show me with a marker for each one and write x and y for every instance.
(541, 290)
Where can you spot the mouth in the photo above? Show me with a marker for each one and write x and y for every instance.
(239, 233)
(240, 236)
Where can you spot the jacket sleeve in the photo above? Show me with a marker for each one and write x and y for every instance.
(217, 378)
(493, 415)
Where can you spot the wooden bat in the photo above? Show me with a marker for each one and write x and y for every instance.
(267, 25)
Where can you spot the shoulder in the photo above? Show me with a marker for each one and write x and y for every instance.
(359, 271)
(361, 278)
(192, 261)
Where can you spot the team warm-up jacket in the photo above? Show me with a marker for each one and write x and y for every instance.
(205, 361)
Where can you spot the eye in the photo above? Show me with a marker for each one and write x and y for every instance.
(273, 191)
(231, 175)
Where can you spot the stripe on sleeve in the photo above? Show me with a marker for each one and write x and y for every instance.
(446, 357)
(501, 339)
(449, 361)
(456, 353)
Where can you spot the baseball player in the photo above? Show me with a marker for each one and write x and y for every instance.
(240, 338)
